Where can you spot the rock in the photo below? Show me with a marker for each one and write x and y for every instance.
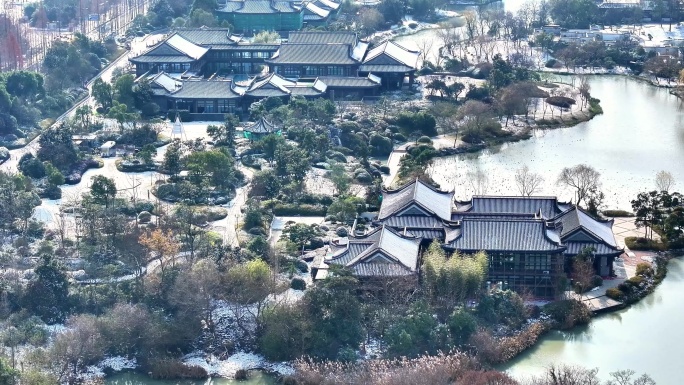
(324, 228)
(144, 217)
(342, 231)
(221, 200)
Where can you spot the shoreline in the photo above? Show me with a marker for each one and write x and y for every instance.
(536, 330)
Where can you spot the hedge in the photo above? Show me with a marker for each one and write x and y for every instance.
(183, 114)
(615, 293)
(634, 243)
(617, 213)
(306, 210)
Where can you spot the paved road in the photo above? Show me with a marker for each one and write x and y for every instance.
(138, 45)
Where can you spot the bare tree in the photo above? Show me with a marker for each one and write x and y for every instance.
(479, 181)
(584, 89)
(527, 181)
(583, 178)
(664, 181)
(425, 47)
(624, 377)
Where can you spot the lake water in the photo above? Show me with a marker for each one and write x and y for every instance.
(128, 378)
(646, 337)
(640, 133)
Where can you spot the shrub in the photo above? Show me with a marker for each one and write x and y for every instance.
(635, 281)
(640, 243)
(298, 284)
(625, 287)
(150, 109)
(167, 369)
(425, 140)
(617, 213)
(144, 217)
(419, 121)
(380, 145)
(341, 231)
(560, 101)
(315, 243)
(644, 269)
(241, 374)
(306, 210)
(615, 293)
(257, 231)
(596, 281)
(183, 114)
(53, 192)
(363, 177)
(568, 313)
(301, 266)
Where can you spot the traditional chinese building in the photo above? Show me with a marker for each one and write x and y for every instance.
(530, 241)
(259, 129)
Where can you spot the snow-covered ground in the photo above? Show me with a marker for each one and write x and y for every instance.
(227, 367)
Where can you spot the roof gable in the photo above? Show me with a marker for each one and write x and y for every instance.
(434, 201)
(382, 246)
(576, 219)
(186, 47)
(391, 53)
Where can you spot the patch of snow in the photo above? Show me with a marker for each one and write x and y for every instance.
(288, 296)
(118, 363)
(229, 366)
(55, 329)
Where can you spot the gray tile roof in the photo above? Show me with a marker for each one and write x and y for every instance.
(505, 235)
(313, 9)
(231, 6)
(186, 47)
(383, 252)
(390, 52)
(576, 219)
(574, 248)
(174, 49)
(512, 205)
(419, 193)
(413, 222)
(312, 17)
(315, 37)
(385, 68)
(261, 126)
(327, 4)
(313, 54)
(246, 47)
(206, 36)
(205, 89)
(259, 7)
(426, 234)
(350, 81)
(161, 59)
(285, 6)
(165, 82)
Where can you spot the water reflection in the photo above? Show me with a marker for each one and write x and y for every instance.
(642, 338)
(640, 133)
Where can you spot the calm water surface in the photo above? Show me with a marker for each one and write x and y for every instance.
(647, 338)
(640, 133)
